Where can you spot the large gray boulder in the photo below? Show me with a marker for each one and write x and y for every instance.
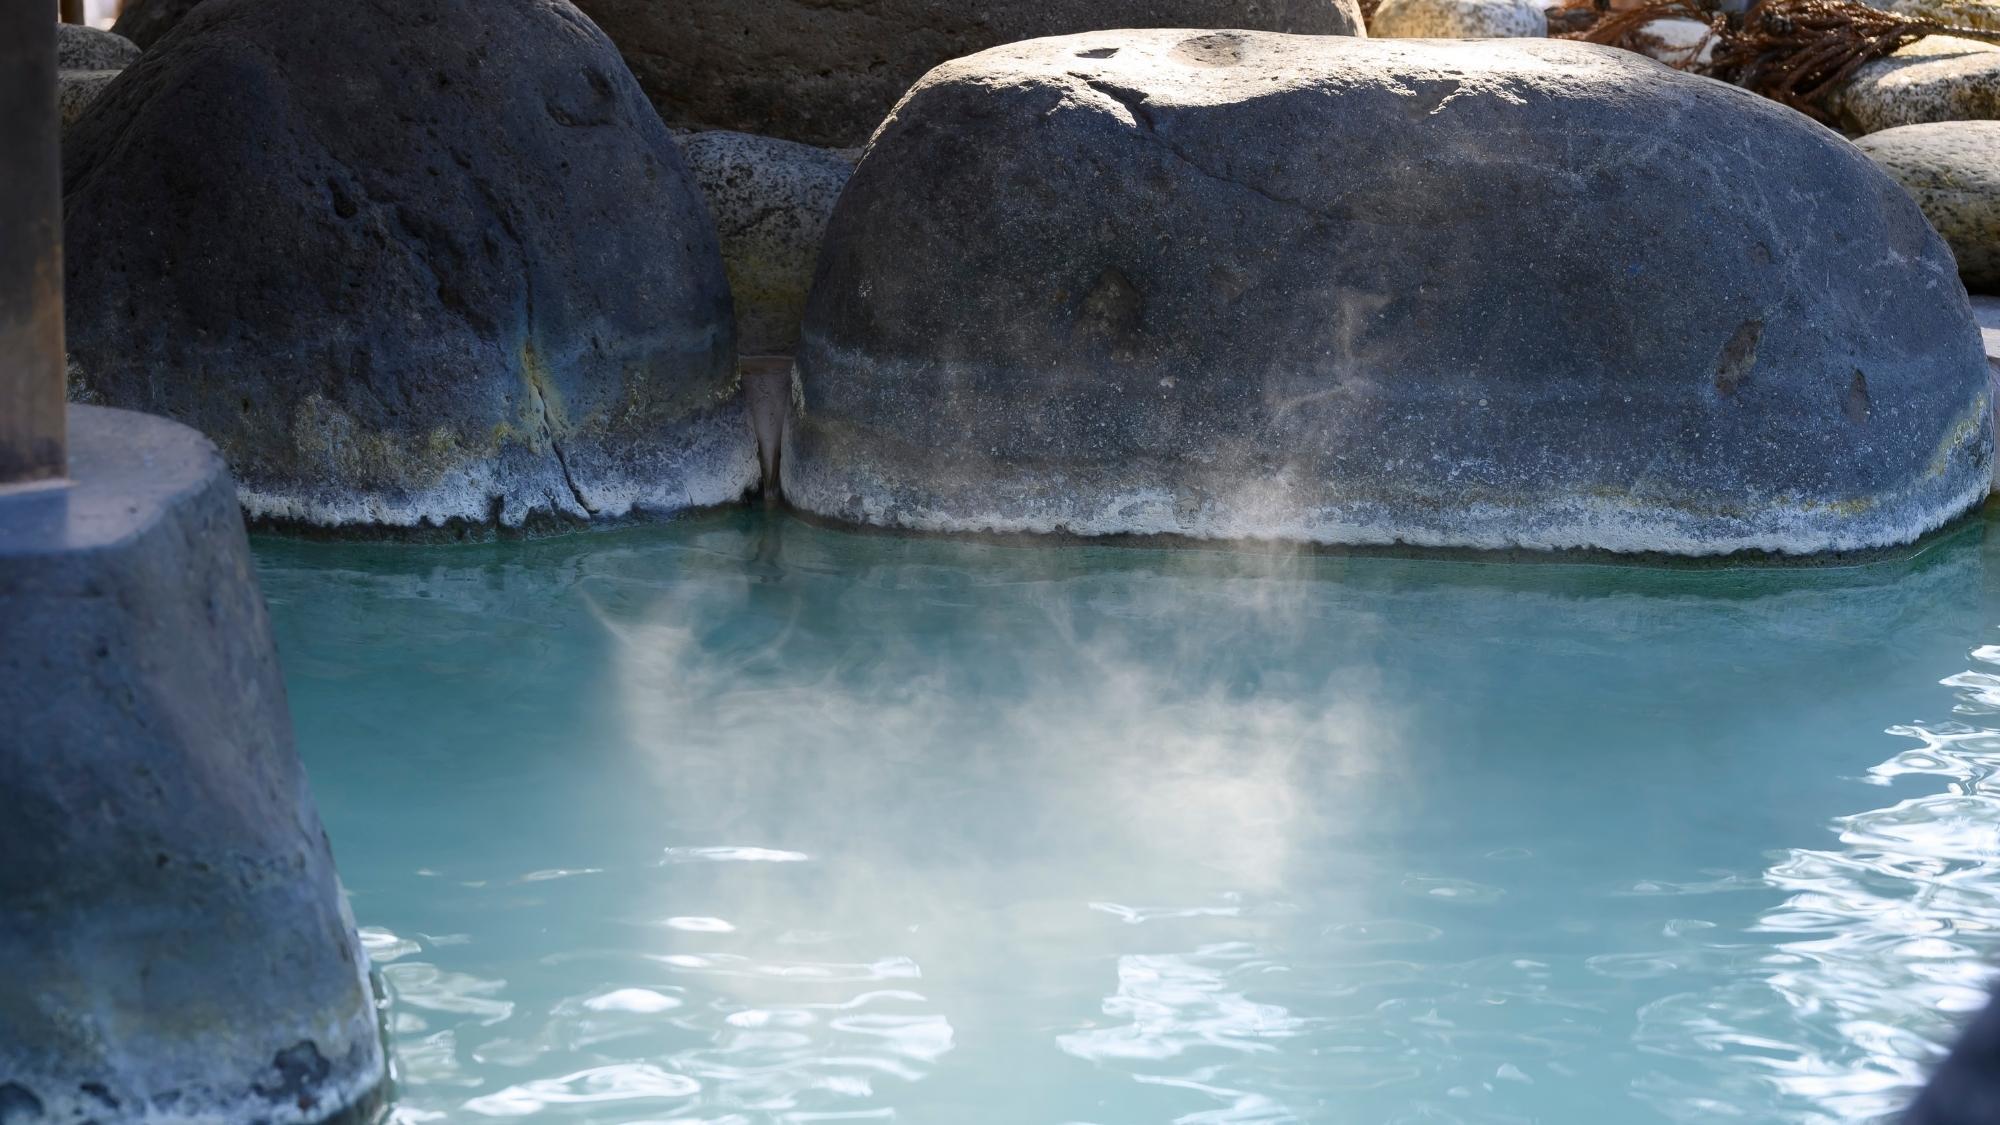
(827, 71)
(406, 264)
(770, 199)
(176, 945)
(1513, 293)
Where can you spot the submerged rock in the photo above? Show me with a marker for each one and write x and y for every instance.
(86, 48)
(1459, 19)
(1952, 169)
(770, 200)
(1346, 291)
(827, 73)
(1937, 78)
(493, 292)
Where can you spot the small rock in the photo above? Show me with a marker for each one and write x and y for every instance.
(76, 89)
(827, 72)
(87, 48)
(770, 199)
(1952, 168)
(1459, 19)
(1676, 42)
(1937, 78)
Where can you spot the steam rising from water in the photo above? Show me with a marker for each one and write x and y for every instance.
(742, 821)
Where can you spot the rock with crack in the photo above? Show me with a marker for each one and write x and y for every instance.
(826, 73)
(1508, 294)
(407, 265)
(1937, 78)
(1952, 169)
(770, 199)
(1459, 19)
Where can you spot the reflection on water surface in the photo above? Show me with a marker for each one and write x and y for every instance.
(739, 820)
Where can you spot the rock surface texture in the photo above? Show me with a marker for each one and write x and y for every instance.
(145, 22)
(406, 263)
(1347, 291)
(86, 48)
(1952, 169)
(176, 944)
(770, 200)
(828, 71)
(1937, 78)
(76, 89)
(1459, 19)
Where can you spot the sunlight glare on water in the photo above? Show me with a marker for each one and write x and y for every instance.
(741, 820)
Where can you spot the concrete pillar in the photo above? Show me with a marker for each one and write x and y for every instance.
(173, 944)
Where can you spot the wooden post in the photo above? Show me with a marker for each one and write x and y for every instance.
(31, 274)
(70, 10)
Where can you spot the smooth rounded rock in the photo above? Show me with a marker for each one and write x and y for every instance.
(1937, 78)
(1342, 291)
(406, 264)
(1981, 15)
(76, 89)
(1459, 19)
(1952, 169)
(177, 947)
(770, 199)
(146, 22)
(87, 48)
(827, 73)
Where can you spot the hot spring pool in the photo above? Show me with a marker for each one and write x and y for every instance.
(740, 820)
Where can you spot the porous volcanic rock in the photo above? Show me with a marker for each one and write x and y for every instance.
(1516, 293)
(76, 89)
(1459, 19)
(406, 264)
(1937, 78)
(826, 72)
(145, 21)
(770, 199)
(1952, 168)
(87, 48)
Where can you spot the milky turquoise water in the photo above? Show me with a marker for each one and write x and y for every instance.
(740, 820)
